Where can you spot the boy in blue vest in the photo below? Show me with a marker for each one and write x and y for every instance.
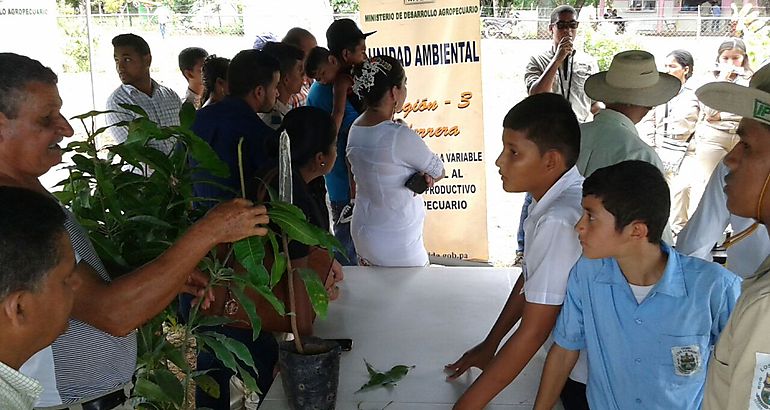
(646, 315)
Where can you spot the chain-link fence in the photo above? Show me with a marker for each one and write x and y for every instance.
(532, 27)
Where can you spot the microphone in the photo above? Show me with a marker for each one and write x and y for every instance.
(565, 64)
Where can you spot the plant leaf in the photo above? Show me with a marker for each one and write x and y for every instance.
(150, 220)
(213, 321)
(316, 291)
(387, 379)
(208, 385)
(220, 351)
(251, 310)
(239, 349)
(151, 391)
(90, 114)
(204, 155)
(187, 115)
(170, 385)
(135, 109)
(248, 380)
(250, 252)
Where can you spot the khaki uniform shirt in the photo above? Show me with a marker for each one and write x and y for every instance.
(739, 369)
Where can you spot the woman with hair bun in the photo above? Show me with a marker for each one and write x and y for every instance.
(214, 77)
(384, 154)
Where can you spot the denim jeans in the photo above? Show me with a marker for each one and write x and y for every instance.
(342, 233)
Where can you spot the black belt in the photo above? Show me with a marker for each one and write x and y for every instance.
(106, 402)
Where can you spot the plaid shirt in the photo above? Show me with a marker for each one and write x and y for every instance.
(162, 107)
(17, 391)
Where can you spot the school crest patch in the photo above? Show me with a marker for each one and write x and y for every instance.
(687, 360)
(760, 388)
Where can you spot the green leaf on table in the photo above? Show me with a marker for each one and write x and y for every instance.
(316, 291)
(384, 379)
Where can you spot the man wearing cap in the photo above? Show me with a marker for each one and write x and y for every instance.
(347, 44)
(562, 69)
(739, 369)
(630, 88)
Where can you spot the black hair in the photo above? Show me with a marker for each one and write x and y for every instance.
(311, 131)
(632, 191)
(735, 44)
(16, 72)
(317, 57)
(250, 69)
(384, 78)
(684, 59)
(31, 226)
(133, 41)
(564, 8)
(287, 55)
(190, 56)
(213, 69)
(549, 122)
(295, 36)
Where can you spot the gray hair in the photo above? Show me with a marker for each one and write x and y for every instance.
(16, 71)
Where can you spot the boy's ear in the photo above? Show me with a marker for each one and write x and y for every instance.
(259, 93)
(638, 230)
(187, 74)
(553, 160)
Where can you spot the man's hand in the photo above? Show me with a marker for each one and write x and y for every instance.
(478, 356)
(234, 220)
(196, 285)
(335, 276)
(564, 49)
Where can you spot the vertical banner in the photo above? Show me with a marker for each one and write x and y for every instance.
(29, 28)
(439, 44)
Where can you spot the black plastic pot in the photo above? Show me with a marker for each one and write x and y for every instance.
(310, 380)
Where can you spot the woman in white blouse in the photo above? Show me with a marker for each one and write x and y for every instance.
(383, 154)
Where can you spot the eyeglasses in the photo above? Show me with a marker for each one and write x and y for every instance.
(561, 25)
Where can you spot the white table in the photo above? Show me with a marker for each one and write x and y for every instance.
(417, 316)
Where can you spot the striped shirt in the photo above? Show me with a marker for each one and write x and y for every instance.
(87, 361)
(17, 391)
(162, 108)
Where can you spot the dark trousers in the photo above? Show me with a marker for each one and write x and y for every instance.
(573, 396)
(342, 233)
(264, 350)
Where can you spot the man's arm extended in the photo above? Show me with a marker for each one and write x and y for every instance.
(129, 301)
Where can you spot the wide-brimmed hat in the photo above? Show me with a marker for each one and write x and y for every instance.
(749, 102)
(633, 78)
(342, 32)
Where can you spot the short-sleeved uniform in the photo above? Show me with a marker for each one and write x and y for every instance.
(653, 354)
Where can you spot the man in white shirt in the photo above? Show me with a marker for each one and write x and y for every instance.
(37, 287)
(707, 226)
(162, 104)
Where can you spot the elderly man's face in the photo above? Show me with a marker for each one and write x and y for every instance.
(749, 164)
(29, 143)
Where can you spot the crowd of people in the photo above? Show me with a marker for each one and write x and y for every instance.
(616, 231)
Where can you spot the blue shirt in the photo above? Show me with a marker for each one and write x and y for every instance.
(322, 96)
(222, 125)
(653, 354)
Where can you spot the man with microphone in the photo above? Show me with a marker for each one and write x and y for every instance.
(562, 69)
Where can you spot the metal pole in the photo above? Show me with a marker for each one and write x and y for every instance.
(90, 53)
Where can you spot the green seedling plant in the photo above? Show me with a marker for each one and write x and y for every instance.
(134, 202)
(384, 379)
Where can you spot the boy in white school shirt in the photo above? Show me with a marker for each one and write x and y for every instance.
(541, 141)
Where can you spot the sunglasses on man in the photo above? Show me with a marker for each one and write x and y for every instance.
(561, 25)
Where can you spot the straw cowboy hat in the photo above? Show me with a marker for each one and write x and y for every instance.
(751, 102)
(633, 78)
